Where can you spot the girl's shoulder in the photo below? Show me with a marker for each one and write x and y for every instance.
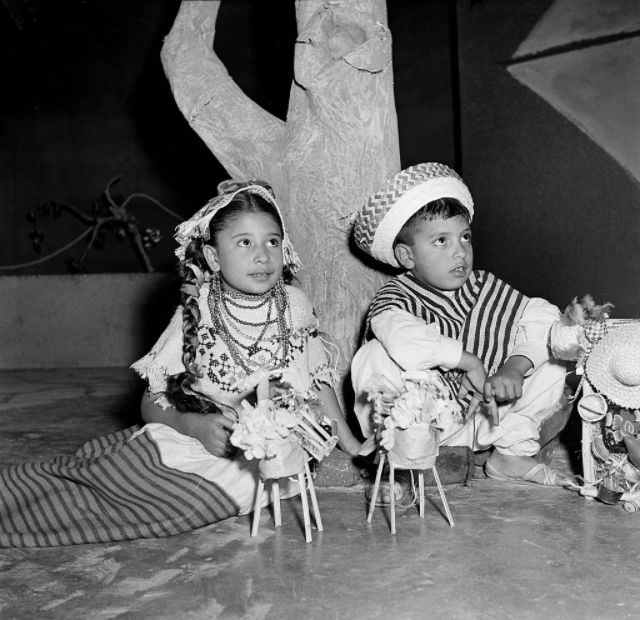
(302, 312)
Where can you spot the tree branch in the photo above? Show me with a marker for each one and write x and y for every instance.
(245, 138)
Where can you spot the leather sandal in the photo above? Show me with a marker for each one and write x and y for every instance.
(540, 475)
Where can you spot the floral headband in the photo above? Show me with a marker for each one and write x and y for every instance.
(197, 226)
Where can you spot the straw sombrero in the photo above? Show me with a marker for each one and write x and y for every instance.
(613, 367)
(384, 213)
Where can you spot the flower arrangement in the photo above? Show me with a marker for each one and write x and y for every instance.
(423, 399)
(285, 418)
(581, 326)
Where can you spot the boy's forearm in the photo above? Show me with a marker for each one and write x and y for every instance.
(469, 362)
(519, 364)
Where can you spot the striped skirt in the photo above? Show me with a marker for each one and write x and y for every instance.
(113, 488)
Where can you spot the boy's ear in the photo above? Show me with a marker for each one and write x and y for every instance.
(211, 256)
(404, 255)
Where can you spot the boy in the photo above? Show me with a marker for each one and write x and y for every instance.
(489, 340)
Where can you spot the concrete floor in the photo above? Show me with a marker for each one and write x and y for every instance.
(516, 552)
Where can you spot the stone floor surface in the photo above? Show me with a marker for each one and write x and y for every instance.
(515, 552)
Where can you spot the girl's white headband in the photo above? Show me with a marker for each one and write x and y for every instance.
(197, 226)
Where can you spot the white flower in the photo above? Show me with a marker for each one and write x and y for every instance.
(424, 399)
(260, 428)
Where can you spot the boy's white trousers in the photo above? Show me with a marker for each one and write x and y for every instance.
(520, 421)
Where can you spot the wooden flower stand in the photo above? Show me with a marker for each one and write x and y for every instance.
(416, 449)
(290, 460)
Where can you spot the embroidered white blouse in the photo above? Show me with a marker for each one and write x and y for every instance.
(305, 364)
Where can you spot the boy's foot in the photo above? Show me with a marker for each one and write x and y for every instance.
(404, 494)
(524, 470)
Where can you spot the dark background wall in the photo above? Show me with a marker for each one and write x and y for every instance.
(556, 215)
(85, 100)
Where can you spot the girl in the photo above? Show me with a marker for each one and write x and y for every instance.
(238, 322)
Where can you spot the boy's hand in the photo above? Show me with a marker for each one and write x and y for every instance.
(473, 381)
(506, 384)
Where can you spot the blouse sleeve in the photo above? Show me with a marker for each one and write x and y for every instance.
(319, 357)
(165, 357)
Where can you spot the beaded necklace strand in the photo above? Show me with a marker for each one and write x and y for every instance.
(224, 307)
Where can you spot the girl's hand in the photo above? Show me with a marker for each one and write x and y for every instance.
(212, 430)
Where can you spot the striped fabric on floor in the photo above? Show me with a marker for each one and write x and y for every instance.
(113, 488)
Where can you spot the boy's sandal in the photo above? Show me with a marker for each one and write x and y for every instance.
(538, 475)
(404, 494)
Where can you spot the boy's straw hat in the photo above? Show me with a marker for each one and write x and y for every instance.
(613, 367)
(384, 213)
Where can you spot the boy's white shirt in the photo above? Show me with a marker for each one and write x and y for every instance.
(414, 344)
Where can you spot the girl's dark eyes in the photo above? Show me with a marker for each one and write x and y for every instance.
(245, 242)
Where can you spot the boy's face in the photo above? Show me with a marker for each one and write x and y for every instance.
(441, 254)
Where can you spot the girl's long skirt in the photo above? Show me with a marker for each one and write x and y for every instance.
(135, 483)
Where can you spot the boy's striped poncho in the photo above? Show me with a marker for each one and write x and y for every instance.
(483, 313)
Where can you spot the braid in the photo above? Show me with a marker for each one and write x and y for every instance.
(192, 269)
(178, 386)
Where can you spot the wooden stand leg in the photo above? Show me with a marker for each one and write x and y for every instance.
(314, 499)
(256, 508)
(392, 491)
(376, 489)
(588, 467)
(442, 497)
(305, 507)
(275, 496)
(421, 491)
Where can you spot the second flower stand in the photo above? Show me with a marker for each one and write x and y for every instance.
(415, 449)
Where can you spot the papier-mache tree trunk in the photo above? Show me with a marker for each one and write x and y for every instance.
(338, 144)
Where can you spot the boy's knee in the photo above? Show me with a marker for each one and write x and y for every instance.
(371, 362)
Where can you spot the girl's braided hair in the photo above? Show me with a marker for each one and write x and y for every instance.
(191, 270)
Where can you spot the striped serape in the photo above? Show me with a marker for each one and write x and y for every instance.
(483, 313)
(113, 488)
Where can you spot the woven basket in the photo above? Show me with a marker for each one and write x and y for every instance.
(415, 447)
(288, 461)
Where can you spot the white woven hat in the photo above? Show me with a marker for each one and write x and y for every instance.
(384, 213)
(613, 367)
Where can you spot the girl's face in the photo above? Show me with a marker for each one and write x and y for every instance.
(441, 254)
(247, 253)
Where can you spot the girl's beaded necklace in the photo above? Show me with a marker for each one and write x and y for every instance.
(230, 315)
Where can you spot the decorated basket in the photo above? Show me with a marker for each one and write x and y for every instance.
(607, 356)
(407, 420)
(287, 459)
(414, 447)
(283, 431)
